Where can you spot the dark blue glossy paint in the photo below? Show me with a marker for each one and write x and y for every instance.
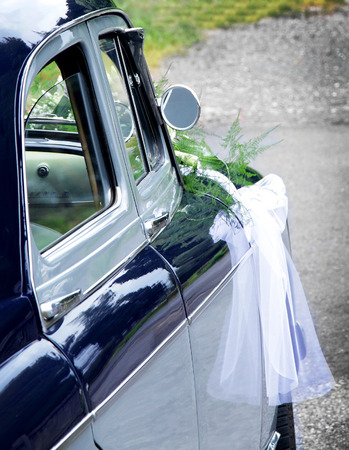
(12, 53)
(186, 244)
(18, 326)
(39, 397)
(115, 329)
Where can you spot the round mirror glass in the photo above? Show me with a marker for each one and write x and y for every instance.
(180, 108)
(125, 120)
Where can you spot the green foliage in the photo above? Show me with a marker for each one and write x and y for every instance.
(173, 25)
(241, 153)
(195, 156)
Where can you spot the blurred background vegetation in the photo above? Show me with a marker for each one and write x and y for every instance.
(173, 25)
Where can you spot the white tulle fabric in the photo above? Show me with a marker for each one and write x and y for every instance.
(269, 309)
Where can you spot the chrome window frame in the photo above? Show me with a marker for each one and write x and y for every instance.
(48, 49)
(145, 180)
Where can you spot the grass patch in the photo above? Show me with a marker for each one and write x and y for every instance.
(173, 25)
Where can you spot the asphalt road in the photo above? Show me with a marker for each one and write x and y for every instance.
(294, 72)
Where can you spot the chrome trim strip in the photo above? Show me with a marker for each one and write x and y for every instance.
(158, 349)
(47, 324)
(84, 18)
(77, 236)
(87, 420)
(85, 225)
(55, 33)
(220, 286)
(118, 267)
(273, 441)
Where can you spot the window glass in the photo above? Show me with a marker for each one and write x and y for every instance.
(123, 109)
(66, 177)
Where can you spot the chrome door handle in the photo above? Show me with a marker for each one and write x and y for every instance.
(57, 307)
(155, 224)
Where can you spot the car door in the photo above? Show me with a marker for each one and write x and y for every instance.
(155, 183)
(153, 421)
(107, 299)
(214, 263)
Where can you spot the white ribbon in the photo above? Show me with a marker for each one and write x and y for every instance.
(267, 296)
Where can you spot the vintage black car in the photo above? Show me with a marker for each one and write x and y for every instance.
(113, 295)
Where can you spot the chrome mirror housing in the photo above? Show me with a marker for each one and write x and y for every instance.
(180, 107)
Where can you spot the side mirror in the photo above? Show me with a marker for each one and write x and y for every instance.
(180, 108)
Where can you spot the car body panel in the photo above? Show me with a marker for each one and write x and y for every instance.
(187, 245)
(118, 330)
(18, 325)
(113, 331)
(209, 300)
(227, 418)
(144, 413)
(82, 261)
(42, 382)
(163, 179)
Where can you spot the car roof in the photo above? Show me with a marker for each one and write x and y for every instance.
(31, 21)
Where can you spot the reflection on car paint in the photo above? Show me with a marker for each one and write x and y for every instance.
(186, 243)
(113, 331)
(18, 326)
(55, 394)
(157, 409)
(214, 350)
(209, 331)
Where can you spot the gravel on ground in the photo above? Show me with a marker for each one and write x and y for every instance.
(286, 70)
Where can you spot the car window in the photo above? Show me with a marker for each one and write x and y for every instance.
(147, 153)
(123, 109)
(67, 180)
